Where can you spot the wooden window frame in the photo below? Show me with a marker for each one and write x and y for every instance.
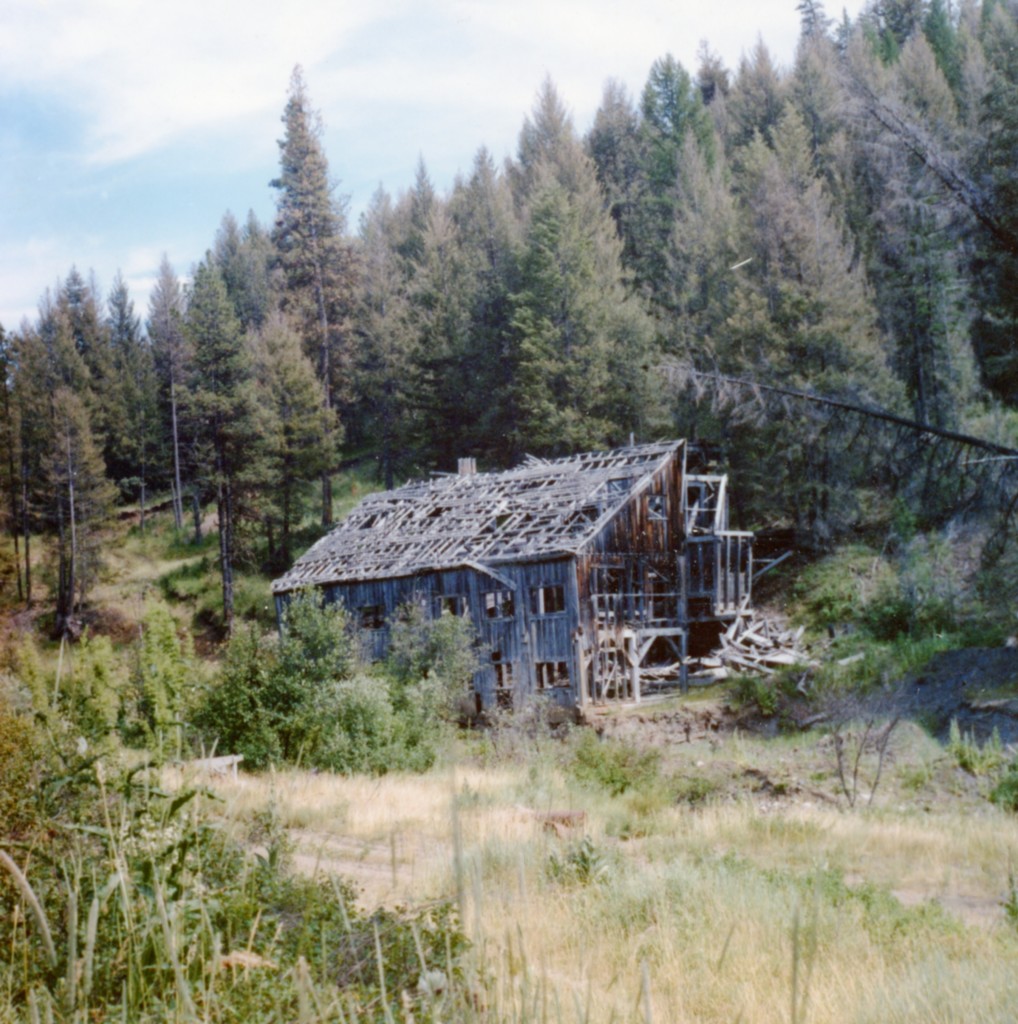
(499, 604)
(372, 617)
(539, 599)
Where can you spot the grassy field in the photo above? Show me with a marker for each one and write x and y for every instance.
(746, 907)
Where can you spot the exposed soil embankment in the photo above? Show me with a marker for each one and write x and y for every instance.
(978, 687)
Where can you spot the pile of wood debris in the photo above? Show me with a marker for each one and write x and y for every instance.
(750, 644)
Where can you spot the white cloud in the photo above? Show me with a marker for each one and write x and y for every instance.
(146, 74)
(198, 87)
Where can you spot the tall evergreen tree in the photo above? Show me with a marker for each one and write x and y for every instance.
(296, 445)
(32, 390)
(802, 316)
(81, 498)
(671, 110)
(244, 257)
(172, 355)
(222, 408)
(131, 399)
(9, 445)
(385, 338)
(757, 99)
(312, 252)
(488, 239)
(613, 144)
(995, 167)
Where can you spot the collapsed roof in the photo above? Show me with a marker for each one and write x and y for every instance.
(539, 509)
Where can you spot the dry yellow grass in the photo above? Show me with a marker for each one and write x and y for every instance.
(718, 914)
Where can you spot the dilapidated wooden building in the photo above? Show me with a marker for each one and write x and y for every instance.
(587, 577)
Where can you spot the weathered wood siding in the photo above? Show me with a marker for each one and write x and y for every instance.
(526, 640)
(647, 536)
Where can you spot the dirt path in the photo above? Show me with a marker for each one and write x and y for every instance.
(406, 869)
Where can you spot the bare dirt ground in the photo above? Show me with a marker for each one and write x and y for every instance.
(386, 873)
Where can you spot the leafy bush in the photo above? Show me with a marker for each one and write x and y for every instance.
(164, 682)
(582, 863)
(755, 694)
(612, 764)
(235, 716)
(305, 699)
(922, 598)
(441, 649)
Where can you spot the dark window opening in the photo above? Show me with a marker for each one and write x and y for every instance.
(454, 604)
(499, 604)
(504, 675)
(551, 674)
(372, 616)
(548, 600)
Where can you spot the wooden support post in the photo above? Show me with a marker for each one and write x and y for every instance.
(633, 657)
(582, 660)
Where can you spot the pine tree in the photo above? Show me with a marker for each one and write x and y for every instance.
(704, 248)
(33, 386)
(488, 241)
(131, 398)
(81, 502)
(244, 256)
(221, 404)
(613, 143)
(671, 110)
(941, 35)
(581, 347)
(579, 342)
(172, 355)
(296, 444)
(312, 252)
(914, 237)
(800, 315)
(995, 166)
(9, 444)
(385, 336)
(757, 99)
(813, 18)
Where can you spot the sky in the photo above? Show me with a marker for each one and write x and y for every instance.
(128, 129)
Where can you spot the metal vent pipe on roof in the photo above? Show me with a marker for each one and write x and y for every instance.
(467, 467)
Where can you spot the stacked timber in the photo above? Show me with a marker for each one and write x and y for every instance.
(750, 644)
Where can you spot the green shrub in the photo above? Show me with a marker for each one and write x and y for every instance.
(304, 699)
(164, 683)
(233, 716)
(694, 790)
(835, 590)
(972, 757)
(613, 764)
(755, 694)
(442, 649)
(582, 863)
(1005, 793)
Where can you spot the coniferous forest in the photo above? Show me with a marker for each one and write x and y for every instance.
(846, 228)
